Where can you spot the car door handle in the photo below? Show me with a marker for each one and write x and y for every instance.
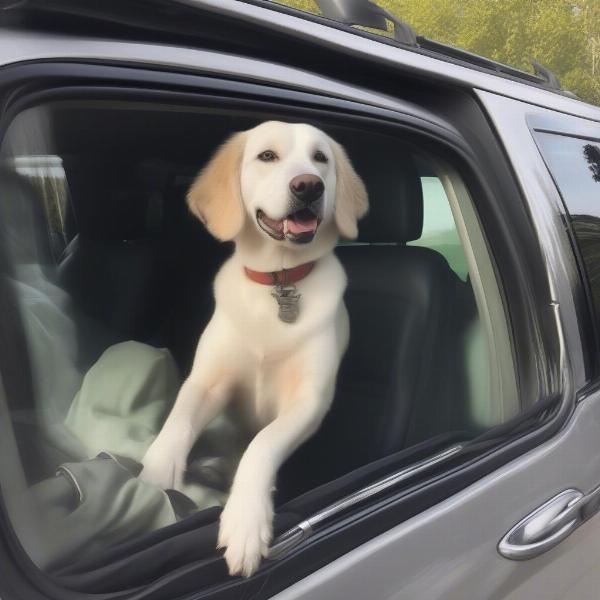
(549, 524)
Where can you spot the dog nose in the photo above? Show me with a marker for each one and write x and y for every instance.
(307, 188)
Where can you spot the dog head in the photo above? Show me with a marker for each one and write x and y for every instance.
(288, 181)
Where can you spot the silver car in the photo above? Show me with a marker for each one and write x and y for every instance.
(461, 457)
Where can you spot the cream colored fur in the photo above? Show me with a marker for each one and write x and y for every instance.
(282, 374)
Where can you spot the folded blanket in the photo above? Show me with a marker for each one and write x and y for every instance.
(121, 406)
(124, 399)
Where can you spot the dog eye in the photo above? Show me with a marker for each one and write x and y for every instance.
(319, 157)
(267, 156)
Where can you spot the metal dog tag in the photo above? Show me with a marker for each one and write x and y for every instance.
(287, 297)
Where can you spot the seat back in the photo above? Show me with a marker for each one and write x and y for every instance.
(117, 269)
(141, 266)
(407, 311)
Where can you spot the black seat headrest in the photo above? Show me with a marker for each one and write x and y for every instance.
(395, 194)
(114, 198)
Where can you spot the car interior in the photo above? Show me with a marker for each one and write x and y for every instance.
(116, 241)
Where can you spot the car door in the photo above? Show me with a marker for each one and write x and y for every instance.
(475, 544)
(425, 521)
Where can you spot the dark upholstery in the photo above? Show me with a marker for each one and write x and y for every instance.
(140, 264)
(399, 299)
(119, 283)
(119, 267)
(199, 257)
(406, 318)
(394, 184)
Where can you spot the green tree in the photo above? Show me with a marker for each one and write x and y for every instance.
(563, 35)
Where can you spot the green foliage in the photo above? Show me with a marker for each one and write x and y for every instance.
(306, 5)
(563, 35)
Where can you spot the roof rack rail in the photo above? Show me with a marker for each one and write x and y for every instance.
(546, 74)
(367, 14)
(476, 59)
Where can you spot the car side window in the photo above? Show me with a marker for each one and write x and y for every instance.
(575, 166)
(112, 279)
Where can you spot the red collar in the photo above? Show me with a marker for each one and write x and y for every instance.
(284, 277)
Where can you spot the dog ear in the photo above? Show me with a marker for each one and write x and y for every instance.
(215, 196)
(351, 199)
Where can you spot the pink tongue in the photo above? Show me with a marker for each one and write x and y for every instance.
(301, 226)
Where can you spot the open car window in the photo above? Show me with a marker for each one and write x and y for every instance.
(110, 281)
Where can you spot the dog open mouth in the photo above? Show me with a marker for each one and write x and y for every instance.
(299, 227)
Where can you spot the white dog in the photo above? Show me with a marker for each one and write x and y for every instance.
(284, 193)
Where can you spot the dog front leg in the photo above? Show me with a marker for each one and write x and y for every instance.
(247, 520)
(196, 406)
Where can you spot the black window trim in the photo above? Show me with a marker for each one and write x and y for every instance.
(31, 83)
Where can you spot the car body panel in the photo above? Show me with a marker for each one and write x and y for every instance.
(450, 552)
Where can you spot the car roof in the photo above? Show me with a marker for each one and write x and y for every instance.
(308, 29)
(381, 49)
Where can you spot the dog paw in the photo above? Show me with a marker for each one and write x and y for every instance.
(162, 468)
(245, 531)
